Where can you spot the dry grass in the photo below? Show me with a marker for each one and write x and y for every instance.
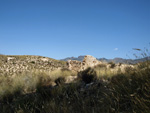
(28, 82)
(124, 92)
(105, 91)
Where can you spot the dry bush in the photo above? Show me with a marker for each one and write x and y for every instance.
(88, 75)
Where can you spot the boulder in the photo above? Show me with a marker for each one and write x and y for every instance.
(10, 58)
(88, 61)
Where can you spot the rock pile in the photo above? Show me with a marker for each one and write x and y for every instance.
(88, 61)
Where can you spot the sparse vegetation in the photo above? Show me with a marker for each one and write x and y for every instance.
(11, 65)
(101, 89)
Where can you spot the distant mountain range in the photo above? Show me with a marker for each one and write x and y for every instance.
(115, 60)
(79, 58)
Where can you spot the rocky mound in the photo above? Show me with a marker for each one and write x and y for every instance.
(88, 61)
(10, 65)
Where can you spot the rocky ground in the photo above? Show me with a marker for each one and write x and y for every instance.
(10, 65)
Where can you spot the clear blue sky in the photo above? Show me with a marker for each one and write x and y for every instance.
(64, 28)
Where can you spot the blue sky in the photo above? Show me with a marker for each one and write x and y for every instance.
(64, 28)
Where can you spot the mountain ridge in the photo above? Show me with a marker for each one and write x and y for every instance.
(115, 60)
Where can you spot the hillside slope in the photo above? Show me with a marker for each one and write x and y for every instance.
(14, 64)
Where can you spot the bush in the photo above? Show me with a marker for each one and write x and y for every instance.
(59, 81)
(112, 64)
(88, 75)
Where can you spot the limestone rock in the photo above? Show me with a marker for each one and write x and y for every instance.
(10, 58)
(45, 59)
(74, 65)
(88, 61)
(70, 79)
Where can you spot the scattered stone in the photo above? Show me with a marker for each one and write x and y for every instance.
(88, 61)
(70, 79)
(10, 58)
